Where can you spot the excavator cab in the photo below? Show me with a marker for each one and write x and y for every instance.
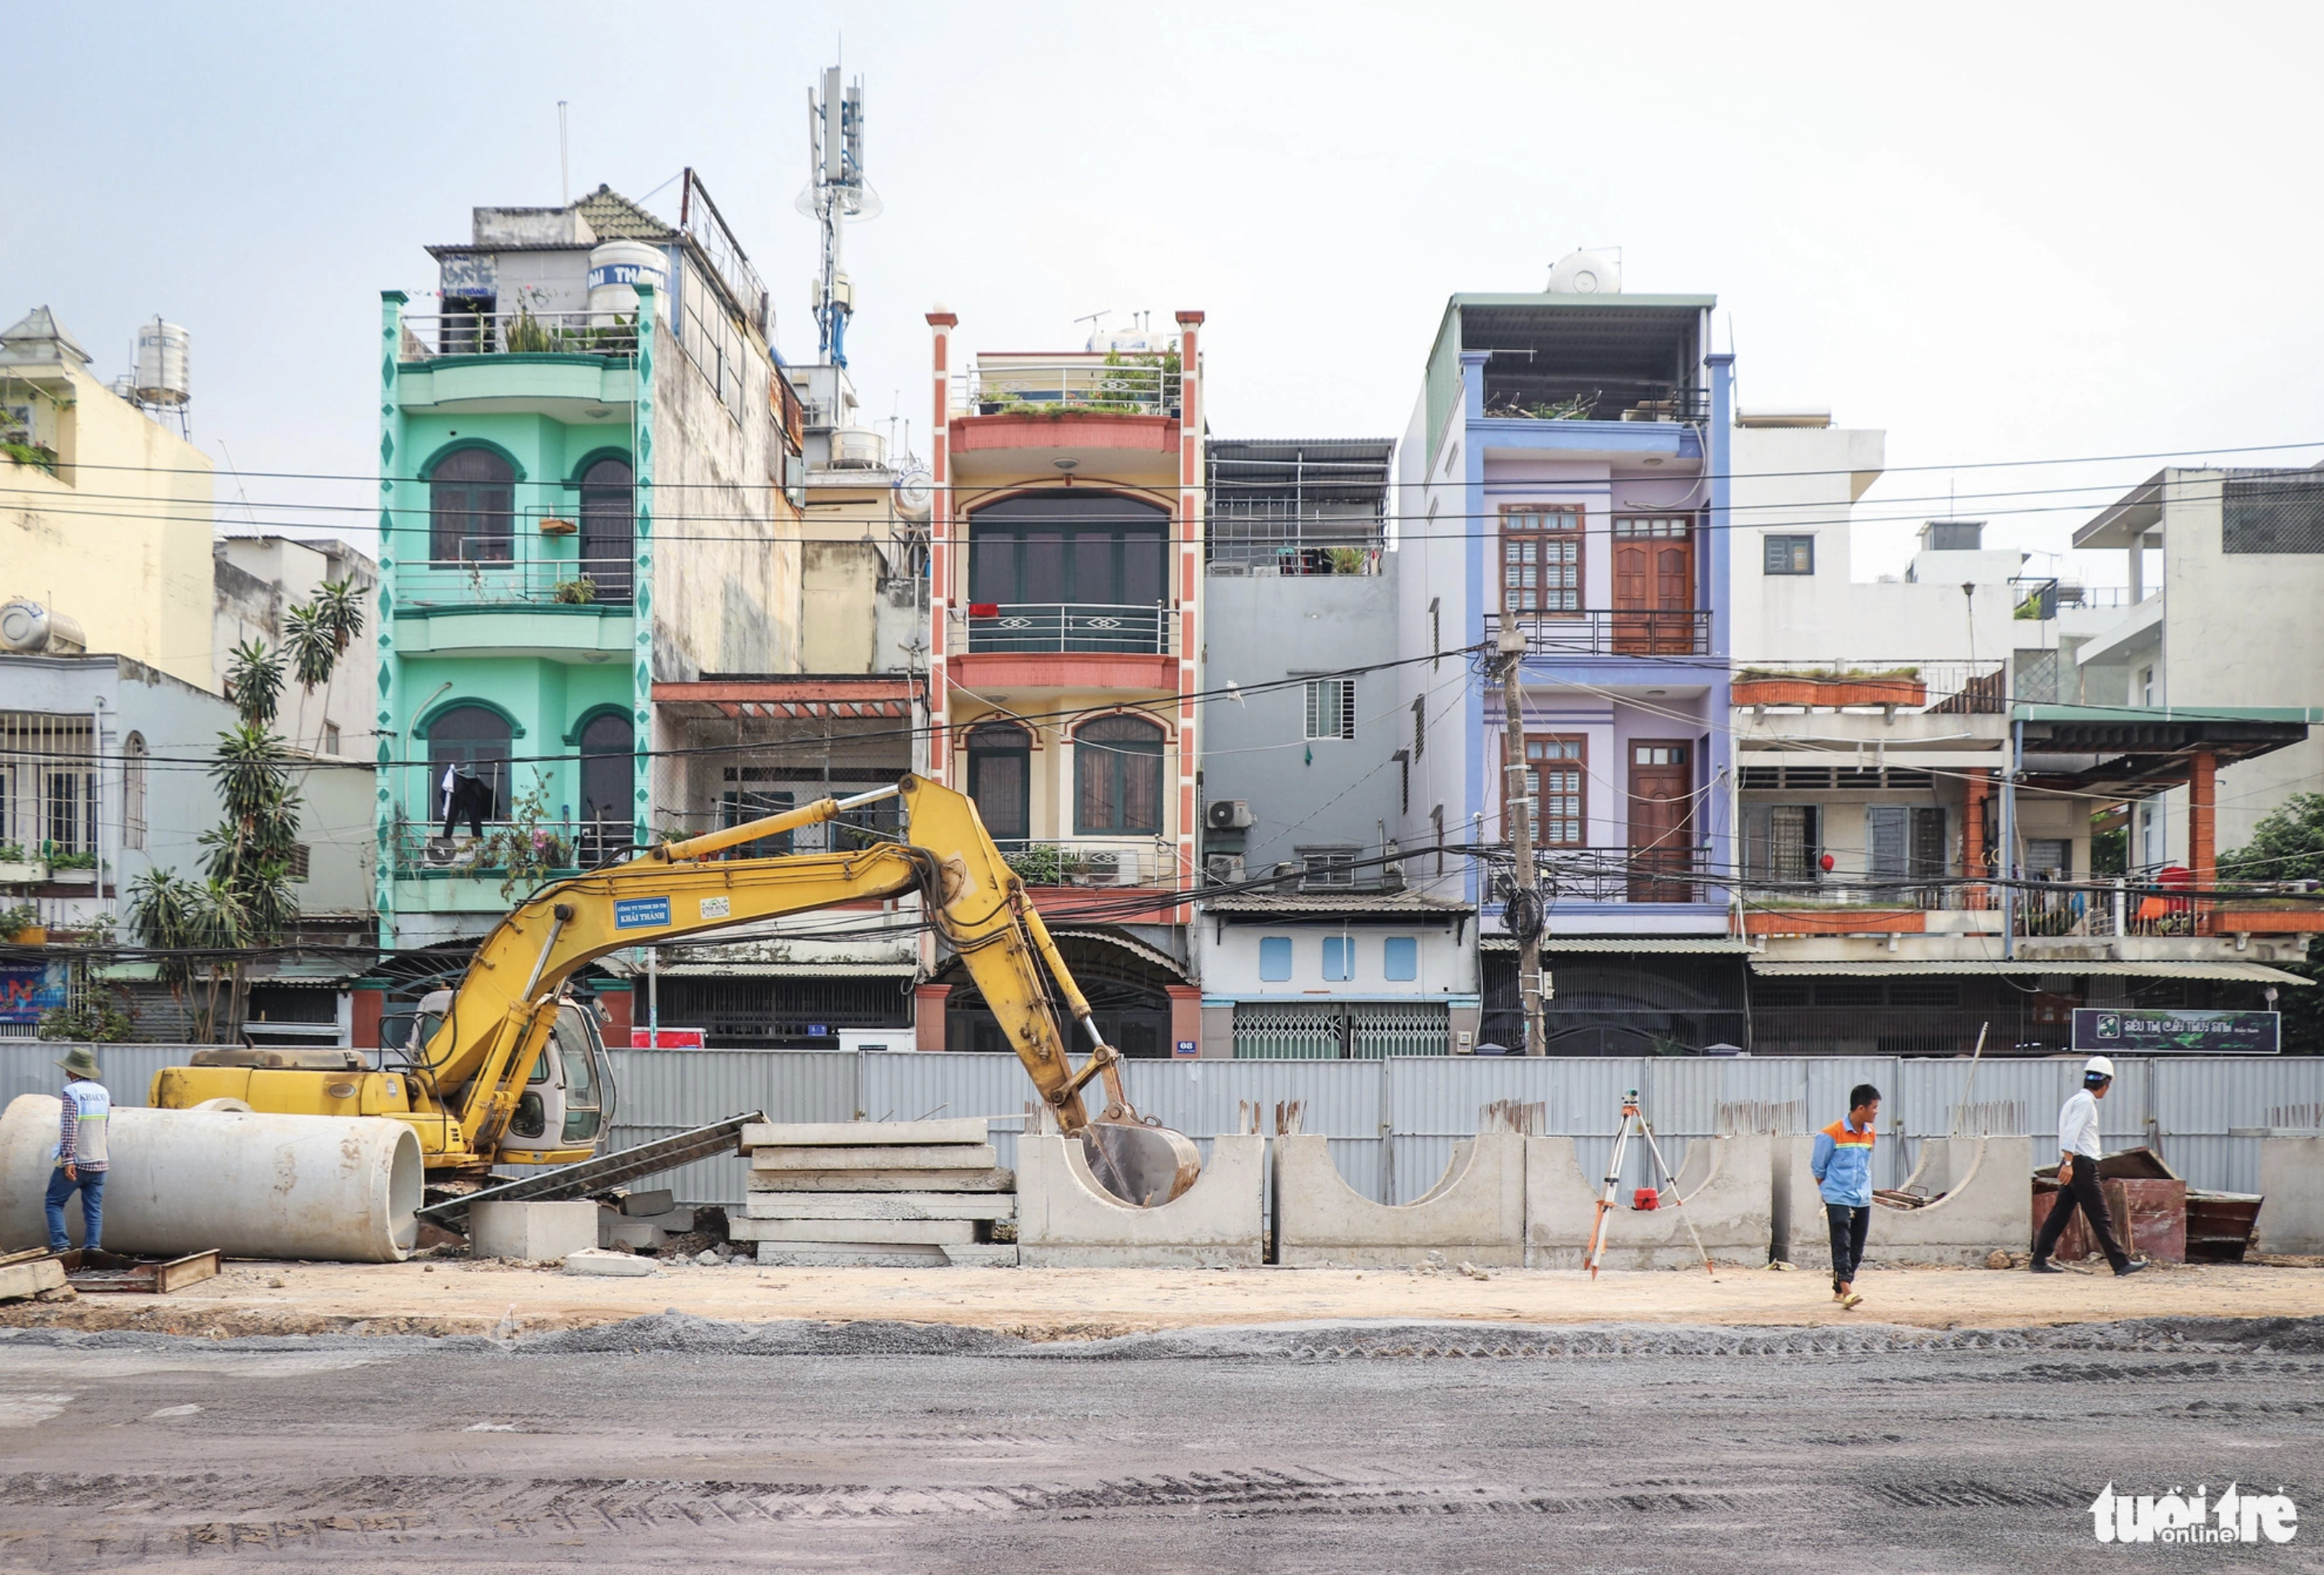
(560, 1111)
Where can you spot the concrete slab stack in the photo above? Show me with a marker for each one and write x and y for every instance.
(875, 1194)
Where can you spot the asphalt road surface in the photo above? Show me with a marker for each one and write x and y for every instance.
(668, 1444)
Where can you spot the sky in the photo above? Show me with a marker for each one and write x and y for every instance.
(1998, 233)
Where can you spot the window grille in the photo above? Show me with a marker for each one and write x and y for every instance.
(2273, 511)
(1331, 708)
(1327, 869)
(1788, 554)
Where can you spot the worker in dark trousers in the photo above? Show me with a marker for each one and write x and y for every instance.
(1842, 1164)
(2077, 1176)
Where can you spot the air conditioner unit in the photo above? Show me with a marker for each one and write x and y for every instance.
(1110, 867)
(1287, 876)
(1223, 869)
(1230, 814)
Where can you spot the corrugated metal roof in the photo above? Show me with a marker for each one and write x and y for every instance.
(2246, 972)
(1139, 949)
(1324, 904)
(1617, 944)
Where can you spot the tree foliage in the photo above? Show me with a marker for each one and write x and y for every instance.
(254, 682)
(2289, 845)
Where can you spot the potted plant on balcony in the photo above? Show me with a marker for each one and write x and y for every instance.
(19, 868)
(578, 592)
(1042, 864)
(21, 925)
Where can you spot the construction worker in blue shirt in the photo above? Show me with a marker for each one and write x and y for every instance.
(1841, 1162)
(81, 1156)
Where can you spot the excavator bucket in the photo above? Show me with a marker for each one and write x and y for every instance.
(1138, 1164)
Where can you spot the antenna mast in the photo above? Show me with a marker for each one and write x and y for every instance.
(836, 192)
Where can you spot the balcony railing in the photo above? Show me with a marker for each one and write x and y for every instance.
(546, 846)
(1241, 539)
(1611, 632)
(1090, 384)
(478, 578)
(1656, 874)
(2092, 909)
(520, 333)
(1517, 396)
(1093, 862)
(1066, 626)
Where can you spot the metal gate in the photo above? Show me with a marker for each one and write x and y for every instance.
(1287, 1032)
(1398, 1028)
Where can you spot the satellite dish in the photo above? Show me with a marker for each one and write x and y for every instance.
(1587, 273)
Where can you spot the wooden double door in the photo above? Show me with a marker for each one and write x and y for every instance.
(1654, 585)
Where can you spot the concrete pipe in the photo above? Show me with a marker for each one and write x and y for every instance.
(327, 1188)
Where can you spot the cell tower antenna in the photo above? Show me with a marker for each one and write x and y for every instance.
(836, 192)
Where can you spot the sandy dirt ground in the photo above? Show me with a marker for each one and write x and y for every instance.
(441, 1296)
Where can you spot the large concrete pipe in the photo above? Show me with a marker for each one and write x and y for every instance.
(329, 1188)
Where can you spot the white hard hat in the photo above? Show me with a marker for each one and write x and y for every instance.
(2097, 1066)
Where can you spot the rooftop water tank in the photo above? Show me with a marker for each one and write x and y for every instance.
(858, 448)
(1586, 273)
(164, 364)
(916, 495)
(29, 629)
(616, 268)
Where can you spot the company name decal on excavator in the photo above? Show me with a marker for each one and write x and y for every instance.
(638, 913)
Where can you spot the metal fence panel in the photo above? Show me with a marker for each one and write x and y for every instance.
(30, 1066)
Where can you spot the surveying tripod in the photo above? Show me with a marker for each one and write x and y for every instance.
(1633, 1120)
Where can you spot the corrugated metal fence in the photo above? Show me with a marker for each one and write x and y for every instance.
(1392, 1121)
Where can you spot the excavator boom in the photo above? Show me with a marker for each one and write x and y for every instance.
(500, 1016)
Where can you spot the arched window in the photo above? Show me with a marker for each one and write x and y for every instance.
(472, 509)
(468, 741)
(1000, 779)
(1118, 777)
(608, 527)
(607, 789)
(132, 791)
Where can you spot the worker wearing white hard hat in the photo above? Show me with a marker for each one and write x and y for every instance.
(2077, 1176)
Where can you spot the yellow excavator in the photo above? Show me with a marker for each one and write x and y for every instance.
(508, 1067)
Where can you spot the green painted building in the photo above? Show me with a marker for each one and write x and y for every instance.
(586, 475)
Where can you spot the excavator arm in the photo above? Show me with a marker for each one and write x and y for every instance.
(500, 1016)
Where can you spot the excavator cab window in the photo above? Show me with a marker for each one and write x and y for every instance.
(574, 1041)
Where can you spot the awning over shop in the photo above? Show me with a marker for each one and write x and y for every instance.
(2239, 972)
(1699, 945)
(777, 698)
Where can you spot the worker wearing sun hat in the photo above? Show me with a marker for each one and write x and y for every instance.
(81, 1159)
(2077, 1176)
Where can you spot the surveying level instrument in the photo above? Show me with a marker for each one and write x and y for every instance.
(1634, 1121)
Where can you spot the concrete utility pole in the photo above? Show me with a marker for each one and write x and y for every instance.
(1517, 819)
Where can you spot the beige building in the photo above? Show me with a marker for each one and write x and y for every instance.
(81, 460)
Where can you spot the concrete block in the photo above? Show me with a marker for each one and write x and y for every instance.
(996, 1180)
(1986, 1183)
(534, 1232)
(613, 1230)
(893, 1156)
(851, 1254)
(879, 1206)
(930, 1232)
(611, 1264)
(983, 1255)
(861, 1134)
(645, 1205)
(2291, 1184)
(1474, 1214)
(1065, 1218)
(1724, 1190)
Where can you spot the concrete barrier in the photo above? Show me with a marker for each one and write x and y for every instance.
(1723, 1189)
(1066, 1220)
(1986, 1183)
(1474, 1214)
(2292, 1185)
